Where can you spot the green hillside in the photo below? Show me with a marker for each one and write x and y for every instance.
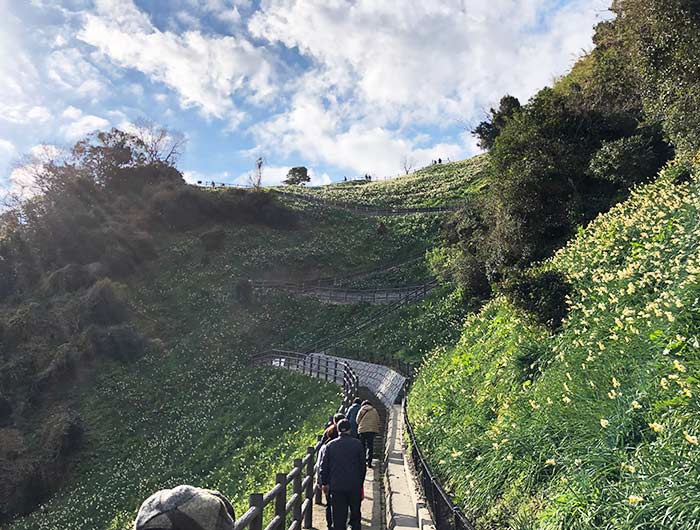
(597, 425)
(434, 185)
(190, 409)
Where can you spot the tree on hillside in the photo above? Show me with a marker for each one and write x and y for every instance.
(255, 178)
(407, 164)
(297, 176)
(488, 130)
(160, 143)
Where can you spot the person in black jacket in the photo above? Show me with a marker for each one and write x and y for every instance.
(343, 475)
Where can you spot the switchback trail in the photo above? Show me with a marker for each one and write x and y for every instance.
(339, 295)
(366, 209)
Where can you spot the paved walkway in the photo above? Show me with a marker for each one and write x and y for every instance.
(391, 500)
(371, 506)
(401, 498)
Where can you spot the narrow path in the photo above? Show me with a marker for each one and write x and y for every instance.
(391, 499)
(371, 506)
(338, 295)
(366, 209)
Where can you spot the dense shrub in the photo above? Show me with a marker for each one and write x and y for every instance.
(664, 36)
(120, 343)
(631, 160)
(103, 304)
(213, 239)
(542, 294)
(488, 130)
(69, 278)
(451, 264)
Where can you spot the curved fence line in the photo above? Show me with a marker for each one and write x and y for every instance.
(446, 514)
(366, 209)
(295, 511)
(379, 295)
(388, 384)
(329, 342)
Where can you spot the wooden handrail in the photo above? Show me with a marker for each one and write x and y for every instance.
(302, 476)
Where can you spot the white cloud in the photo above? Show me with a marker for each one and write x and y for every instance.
(409, 63)
(70, 70)
(72, 113)
(22, 183)
(8, 152)
(82, 126)
(39, 114)
(206, 71)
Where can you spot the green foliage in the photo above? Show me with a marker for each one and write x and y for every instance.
(664, 36)
(178, 403)
(631, 160)
(297, 176)
(597, 426)
(434, 185)
(543, 294)
(487, 131)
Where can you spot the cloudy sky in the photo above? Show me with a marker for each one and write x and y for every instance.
(345, 87)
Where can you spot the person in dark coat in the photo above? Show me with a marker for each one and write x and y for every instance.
(331, 432)
(351, 415)
(343, 475)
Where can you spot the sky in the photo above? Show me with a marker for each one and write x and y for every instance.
(343, 87)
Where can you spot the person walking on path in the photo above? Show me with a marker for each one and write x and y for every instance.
(329, 513)
(342, 477)
(331, 432)
(368, 427)
(352, 415)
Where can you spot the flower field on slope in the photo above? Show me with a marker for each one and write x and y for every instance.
(597, 426)
(432, 186)
(191, 410)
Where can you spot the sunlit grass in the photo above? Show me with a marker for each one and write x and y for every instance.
(596, 426)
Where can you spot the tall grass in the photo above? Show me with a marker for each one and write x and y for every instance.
(596, 426)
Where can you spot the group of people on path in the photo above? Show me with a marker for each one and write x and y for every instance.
(347, 451)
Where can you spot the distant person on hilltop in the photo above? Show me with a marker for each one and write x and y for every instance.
(185, 508)
(343, 476)
(352, 414)
(368, 427)
(439, 160)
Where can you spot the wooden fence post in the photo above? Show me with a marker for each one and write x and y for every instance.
(281, 500)
(309, 494)
(256, 501)
(296, 490)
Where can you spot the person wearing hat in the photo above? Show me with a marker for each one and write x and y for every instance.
(185, 508)
(343, 476)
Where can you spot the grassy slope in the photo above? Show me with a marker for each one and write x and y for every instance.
(432, 186)
(191, 410)
(594, 427)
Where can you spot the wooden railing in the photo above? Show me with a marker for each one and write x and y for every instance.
(339, 294)
(295, 511)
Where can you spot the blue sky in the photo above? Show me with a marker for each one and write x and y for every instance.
(342, 87)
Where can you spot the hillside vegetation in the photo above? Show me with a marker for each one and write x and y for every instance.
(156, 382)
(435, 185)
(595, 426)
